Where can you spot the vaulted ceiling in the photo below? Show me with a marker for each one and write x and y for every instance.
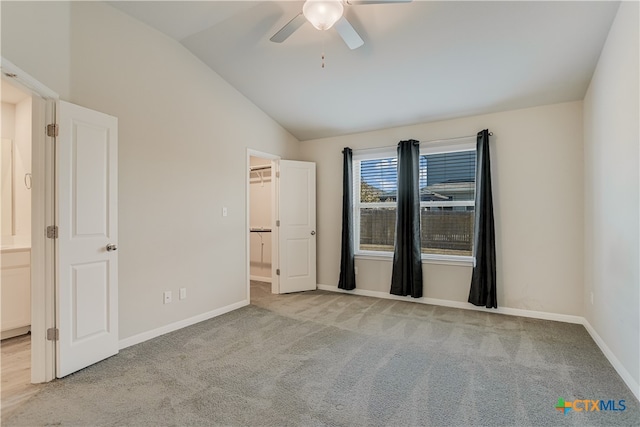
(421, 61)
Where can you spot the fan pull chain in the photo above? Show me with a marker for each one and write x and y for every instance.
(323, 37)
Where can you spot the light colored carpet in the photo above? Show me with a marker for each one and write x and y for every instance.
(327, 359)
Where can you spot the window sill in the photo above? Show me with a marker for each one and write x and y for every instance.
(375, 256)
(448, 260)
(426, 259)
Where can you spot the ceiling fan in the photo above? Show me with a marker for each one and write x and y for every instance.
(324, 14)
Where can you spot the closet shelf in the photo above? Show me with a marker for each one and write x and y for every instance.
(260, 168)
(260, 230)
(260, 171)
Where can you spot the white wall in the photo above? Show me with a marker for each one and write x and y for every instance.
(260, 217)
(183, 138)
(42, 27)
(538, 197)
(8, 121)
(7, 131)
(16, 126)
(612, 196)
(22, 166)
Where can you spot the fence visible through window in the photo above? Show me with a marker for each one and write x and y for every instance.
(447, 194)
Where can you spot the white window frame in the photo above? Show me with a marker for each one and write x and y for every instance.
(391, 152)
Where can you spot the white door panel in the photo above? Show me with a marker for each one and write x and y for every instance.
(298, 254)
(90, 286)
(297, 226)
(87, 285)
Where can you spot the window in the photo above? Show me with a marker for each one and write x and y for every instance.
(447, 193)
(377, 208)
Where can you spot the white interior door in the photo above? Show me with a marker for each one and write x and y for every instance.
(297, 232)
(87, 261)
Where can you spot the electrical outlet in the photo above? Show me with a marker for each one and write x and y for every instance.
(183, 293)
(167, 297)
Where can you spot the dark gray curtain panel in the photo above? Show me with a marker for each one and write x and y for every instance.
(347, 260)
(406, 278)
(483, 278)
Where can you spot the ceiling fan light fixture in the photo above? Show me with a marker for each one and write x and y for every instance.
(322, 13)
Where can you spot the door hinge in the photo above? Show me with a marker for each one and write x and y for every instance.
(52, 232)
(277, 272)
(53, 334)
(277, 223)
(52, 130)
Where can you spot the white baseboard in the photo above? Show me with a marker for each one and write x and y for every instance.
(462, 305)
(145, 336)
(260, 278)
(620, 369)
(566, 318)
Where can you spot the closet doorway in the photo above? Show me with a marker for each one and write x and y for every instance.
(261, 218)
(281, 223)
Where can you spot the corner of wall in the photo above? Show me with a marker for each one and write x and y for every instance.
(611, 124)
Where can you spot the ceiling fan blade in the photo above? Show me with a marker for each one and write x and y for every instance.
(356, 2)
(288, 29)
(348, 33)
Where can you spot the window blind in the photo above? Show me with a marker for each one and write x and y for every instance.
(378, 180)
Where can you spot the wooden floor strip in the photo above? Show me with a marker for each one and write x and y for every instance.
(15, 374)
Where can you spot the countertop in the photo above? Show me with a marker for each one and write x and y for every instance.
(15, 244)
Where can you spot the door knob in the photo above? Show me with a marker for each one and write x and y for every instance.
(111, 247)
(313, 232)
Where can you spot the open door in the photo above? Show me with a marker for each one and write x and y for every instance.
(297, 231)
(87, 261)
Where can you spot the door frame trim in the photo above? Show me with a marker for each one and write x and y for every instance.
(44, 102)
(275, 283)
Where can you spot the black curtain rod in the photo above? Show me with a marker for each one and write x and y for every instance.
(422, 142)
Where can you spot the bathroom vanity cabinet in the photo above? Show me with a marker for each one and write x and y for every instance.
(16, 292)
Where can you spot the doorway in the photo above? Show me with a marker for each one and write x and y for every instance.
(24, 112)
(16, 246)
(16, 211)
(27, 246)
(262, 233)
(292, 261)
